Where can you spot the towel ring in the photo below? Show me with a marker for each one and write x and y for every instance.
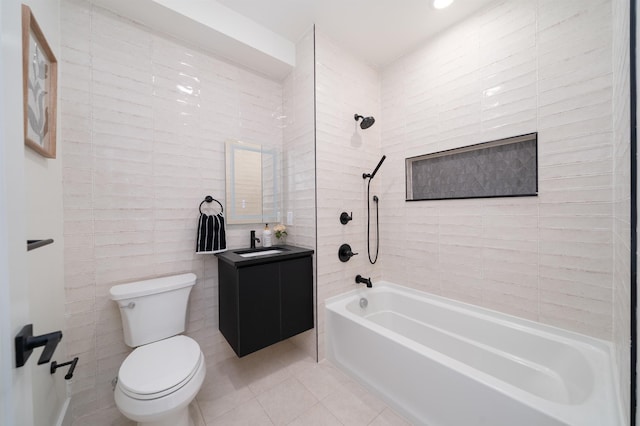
(209, 199)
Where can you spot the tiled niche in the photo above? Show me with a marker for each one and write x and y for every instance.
(502, 168)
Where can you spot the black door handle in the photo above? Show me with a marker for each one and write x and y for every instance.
(25, 342)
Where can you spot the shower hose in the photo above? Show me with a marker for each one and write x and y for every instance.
(375, 199)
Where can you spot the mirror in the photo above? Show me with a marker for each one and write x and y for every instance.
(252, 183)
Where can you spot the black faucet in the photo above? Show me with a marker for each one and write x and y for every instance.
(253, 239)
(361, 280)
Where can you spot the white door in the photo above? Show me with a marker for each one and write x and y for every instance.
(15, 383)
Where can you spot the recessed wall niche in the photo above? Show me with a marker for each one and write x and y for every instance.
(500, 168)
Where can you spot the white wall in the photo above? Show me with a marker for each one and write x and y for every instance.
(15, 396)
(35, 212)
(516, 67)
(621, 198)
(344, 87)
(145, 120)
(43, 180)
(299, 181)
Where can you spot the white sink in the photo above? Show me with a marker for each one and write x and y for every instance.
(260, 253)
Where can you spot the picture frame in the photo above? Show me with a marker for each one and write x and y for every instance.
(39, 84)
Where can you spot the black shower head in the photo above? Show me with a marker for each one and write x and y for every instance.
(366, 121)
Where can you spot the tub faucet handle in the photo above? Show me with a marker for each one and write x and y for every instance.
(345, 217)
(345, 253)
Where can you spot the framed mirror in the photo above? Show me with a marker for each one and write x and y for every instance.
(252, 183)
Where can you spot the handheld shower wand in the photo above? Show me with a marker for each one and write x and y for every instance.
(370, 176)
(375, 200)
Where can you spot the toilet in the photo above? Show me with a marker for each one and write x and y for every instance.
(159, 379)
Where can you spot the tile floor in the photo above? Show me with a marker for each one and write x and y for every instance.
(282, 385)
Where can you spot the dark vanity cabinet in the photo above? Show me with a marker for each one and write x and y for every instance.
(264, 299)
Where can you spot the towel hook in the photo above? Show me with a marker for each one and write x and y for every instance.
(209, 199)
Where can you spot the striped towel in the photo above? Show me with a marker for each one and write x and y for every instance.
(211, 236)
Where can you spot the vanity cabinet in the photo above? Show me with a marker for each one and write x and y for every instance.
(265, 299)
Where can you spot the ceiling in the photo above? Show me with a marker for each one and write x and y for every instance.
(376, 31)
(261, 34)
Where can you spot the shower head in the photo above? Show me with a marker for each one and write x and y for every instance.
(366, 121)
(370, 176)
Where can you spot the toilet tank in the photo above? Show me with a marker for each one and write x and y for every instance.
(154, 309)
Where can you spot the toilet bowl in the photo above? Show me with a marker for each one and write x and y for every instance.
(158, 381)
(163, 374)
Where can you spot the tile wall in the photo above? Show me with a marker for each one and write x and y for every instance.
(515, 67)
(144, 122)
(344, 87)
(299, 181)
(621, 197)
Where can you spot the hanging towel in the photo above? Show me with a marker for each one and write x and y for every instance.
(211, 236)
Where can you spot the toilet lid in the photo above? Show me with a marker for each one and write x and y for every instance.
(159, 366)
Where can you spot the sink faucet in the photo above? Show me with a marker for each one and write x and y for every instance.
(361, 280)
(253, 239)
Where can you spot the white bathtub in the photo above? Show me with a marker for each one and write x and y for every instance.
(444, 363)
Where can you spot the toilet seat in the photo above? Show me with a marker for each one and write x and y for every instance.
(160, 368)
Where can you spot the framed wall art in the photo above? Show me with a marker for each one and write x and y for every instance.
(39, 83)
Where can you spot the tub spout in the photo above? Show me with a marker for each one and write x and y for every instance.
(361, 280)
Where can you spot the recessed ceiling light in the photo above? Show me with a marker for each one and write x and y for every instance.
(441, 4)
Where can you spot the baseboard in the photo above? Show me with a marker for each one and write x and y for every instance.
(64, 417)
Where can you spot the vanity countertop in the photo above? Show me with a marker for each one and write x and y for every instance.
(286, 252)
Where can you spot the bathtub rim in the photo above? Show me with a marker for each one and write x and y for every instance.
(604, 345)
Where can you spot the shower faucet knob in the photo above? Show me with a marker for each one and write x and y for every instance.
(346, 217)
(345, 253)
